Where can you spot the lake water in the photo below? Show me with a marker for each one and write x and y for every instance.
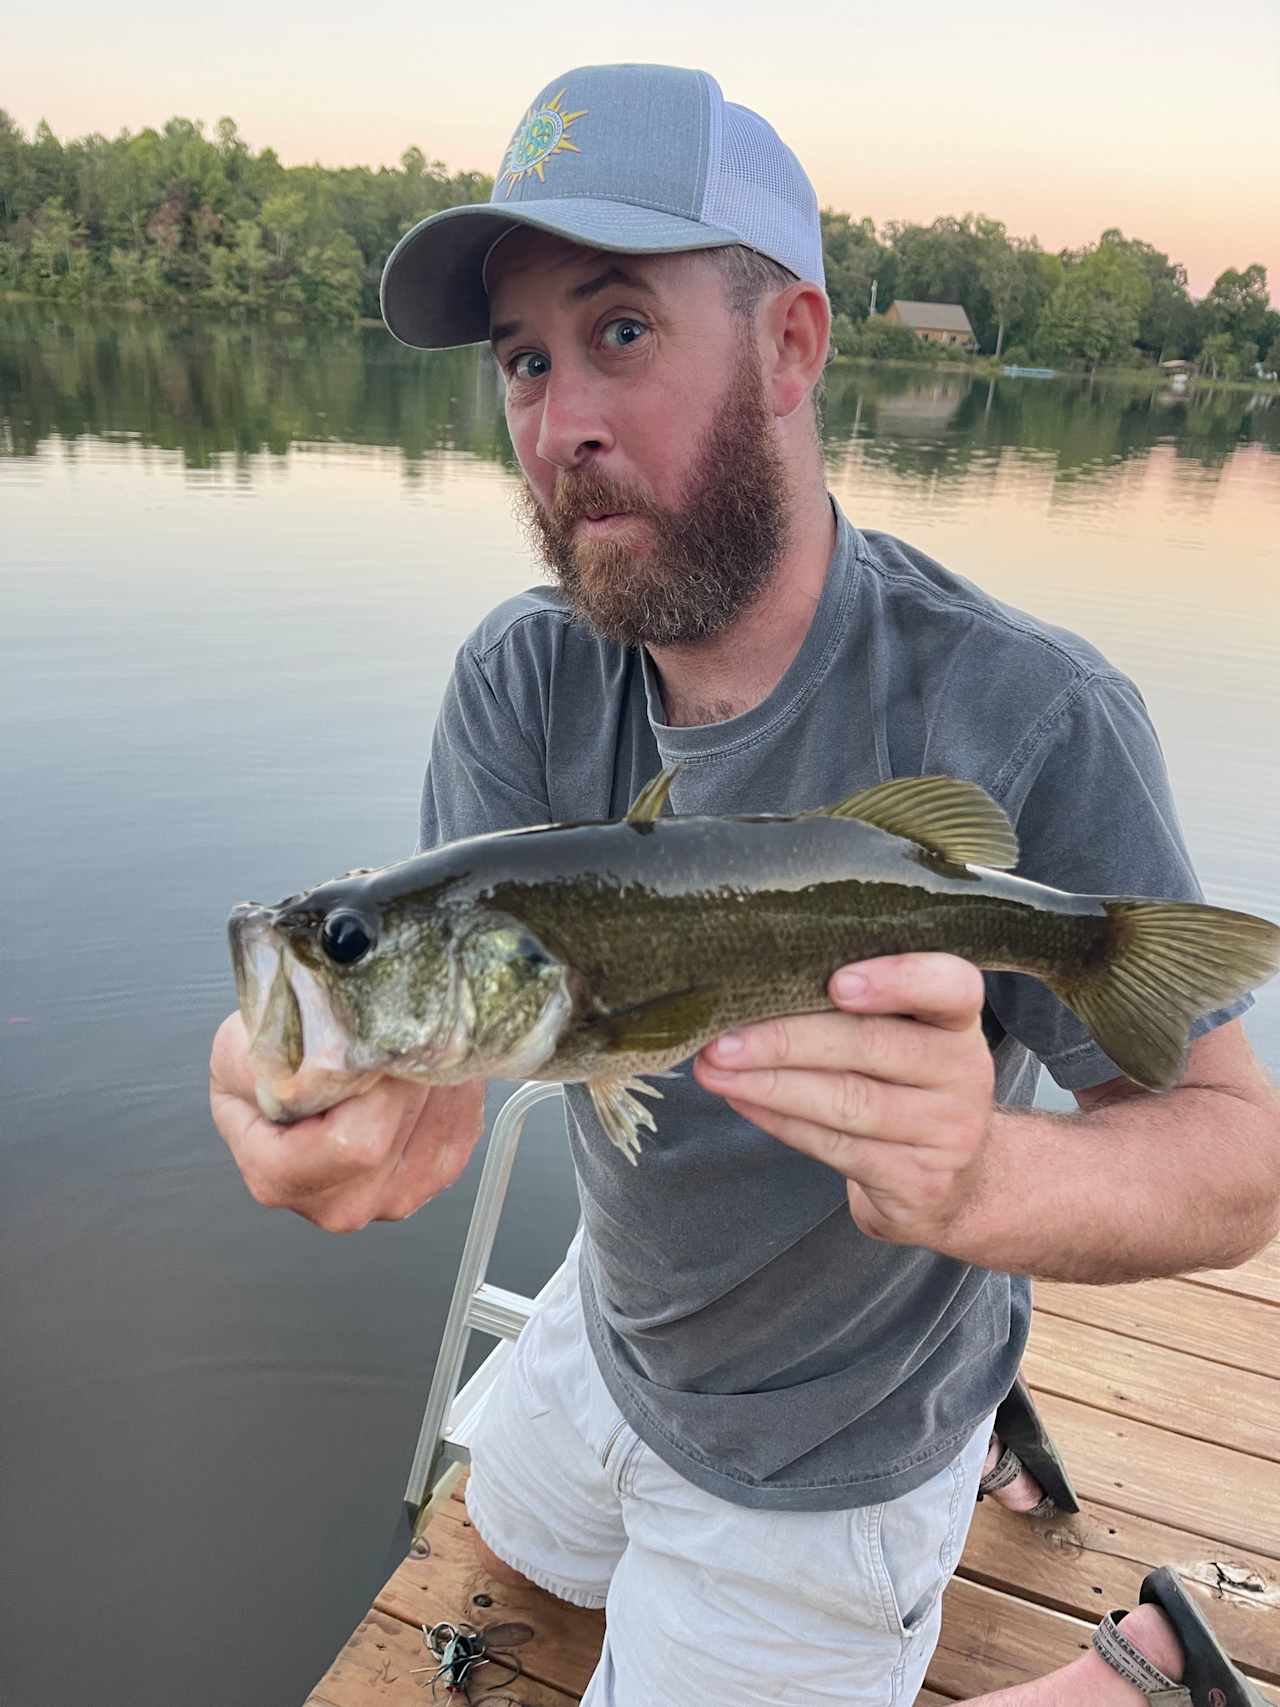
(235, 567)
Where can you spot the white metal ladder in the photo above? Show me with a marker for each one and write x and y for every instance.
(449, 1421)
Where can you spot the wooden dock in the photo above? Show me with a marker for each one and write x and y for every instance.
(1165, 1399)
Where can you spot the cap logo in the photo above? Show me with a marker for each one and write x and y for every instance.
(543, 133)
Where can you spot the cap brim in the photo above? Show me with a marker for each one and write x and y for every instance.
(433, 295)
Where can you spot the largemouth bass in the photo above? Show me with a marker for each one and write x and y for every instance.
(604, 952)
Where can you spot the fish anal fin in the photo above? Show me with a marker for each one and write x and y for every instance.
(648, 804)
(955, 820)
(621, 1114)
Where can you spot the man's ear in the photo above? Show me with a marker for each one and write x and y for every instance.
(796, 331)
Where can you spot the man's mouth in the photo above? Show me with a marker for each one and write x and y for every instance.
(603, 520)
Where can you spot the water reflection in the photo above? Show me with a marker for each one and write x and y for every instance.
(213, 390)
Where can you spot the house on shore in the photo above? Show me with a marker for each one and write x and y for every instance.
(935, 322)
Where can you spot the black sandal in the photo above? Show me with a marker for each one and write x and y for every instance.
(1208, 1678)
(1027, 1446)
(1207, 1673)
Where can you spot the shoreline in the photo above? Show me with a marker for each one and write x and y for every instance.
(979, 367)
(987, 367)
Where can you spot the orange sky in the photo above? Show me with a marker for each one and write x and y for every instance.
(1059, 118)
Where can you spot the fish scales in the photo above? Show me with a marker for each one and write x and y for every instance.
(632, 942)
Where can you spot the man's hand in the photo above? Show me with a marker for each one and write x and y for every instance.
(894, 1091)
(378, 1156)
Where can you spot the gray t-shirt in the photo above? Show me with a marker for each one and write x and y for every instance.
(750, 1333)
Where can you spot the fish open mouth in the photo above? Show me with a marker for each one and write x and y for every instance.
(300, 1049)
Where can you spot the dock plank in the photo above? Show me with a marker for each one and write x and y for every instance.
(548, 1615)
(1219, 1326)
(382, 1663)
(566, 1640)
(1189, 1484)
(1086, 1565)
(1233, 1408)
(1259, 1278)
(992, 1641)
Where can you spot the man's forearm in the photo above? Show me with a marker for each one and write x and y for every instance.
(1144, 1186)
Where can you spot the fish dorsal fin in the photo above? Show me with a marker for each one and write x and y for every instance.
(648, 804)
(957, 821)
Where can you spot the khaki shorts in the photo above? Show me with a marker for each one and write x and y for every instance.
(708, 1604)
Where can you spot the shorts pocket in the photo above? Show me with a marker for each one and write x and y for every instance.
(619, 1456)
(531, 1402)
(915, 1547)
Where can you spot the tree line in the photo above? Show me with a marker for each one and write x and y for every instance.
(175, 217)
(1116, 301)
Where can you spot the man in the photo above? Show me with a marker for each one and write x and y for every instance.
(753, 1416)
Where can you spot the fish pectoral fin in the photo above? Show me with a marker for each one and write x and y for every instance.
(664, 1023)
(619, 1112)
(648, 804)
(957, 821)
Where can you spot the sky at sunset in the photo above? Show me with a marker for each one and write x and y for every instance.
(1061, 119)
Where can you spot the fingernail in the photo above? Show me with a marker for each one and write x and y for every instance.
(728, 1046)
(849, 985)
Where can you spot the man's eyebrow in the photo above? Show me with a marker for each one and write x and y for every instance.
(580, 293)
(602, 281)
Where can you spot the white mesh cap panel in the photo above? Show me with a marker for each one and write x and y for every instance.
(758, 188)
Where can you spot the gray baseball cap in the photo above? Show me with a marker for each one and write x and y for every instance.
(638, 159)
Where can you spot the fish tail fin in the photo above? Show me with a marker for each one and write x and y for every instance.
(1162, 965)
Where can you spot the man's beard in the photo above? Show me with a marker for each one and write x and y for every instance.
(708, 559)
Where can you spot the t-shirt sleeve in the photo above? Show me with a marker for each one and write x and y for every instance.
(487, 769)
(1091, 799)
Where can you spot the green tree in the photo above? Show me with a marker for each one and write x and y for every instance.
(16, 196)
(942, 262)
(1219, 355)
(853, 257)
(1166, 326)
(283, 217)
(54, 236)
(330, 278)
(252, 262)
(1238, 308)
(878, 340)
(1005, 280)
(1095, 312)
(47, 169)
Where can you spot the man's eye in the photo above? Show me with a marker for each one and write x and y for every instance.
(530, 364)
(620, 334)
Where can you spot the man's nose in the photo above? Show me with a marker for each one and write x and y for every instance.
(573, 426)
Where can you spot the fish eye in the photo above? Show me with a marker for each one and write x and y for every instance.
(531, 951)
(345, 937)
